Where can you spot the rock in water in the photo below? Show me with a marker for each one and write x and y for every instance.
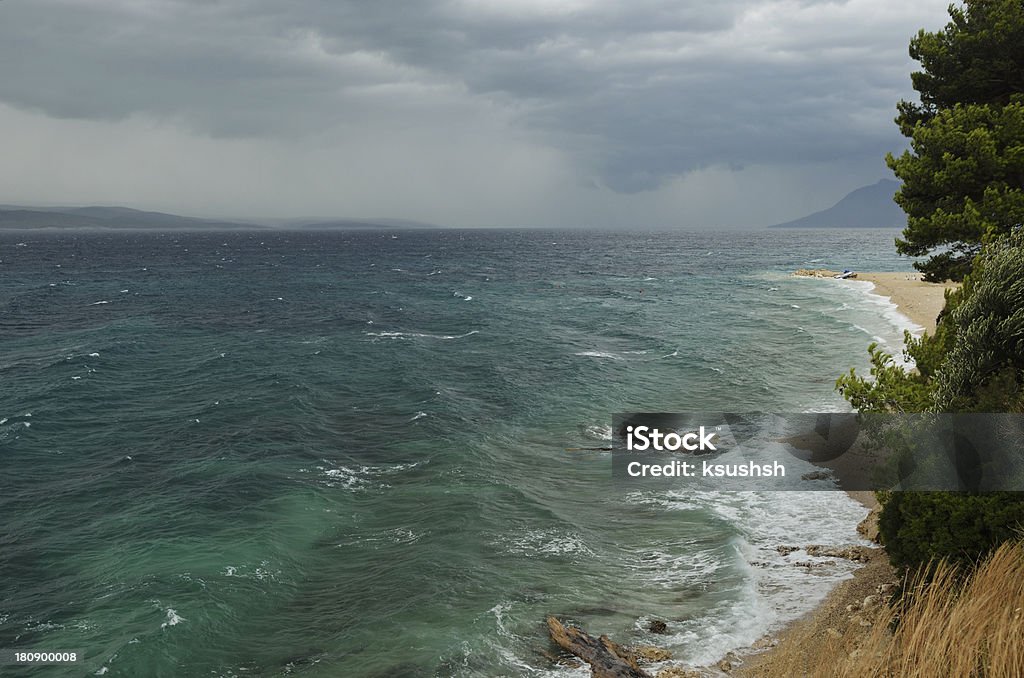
(658, 626)
(679, 672)
(854, 552)
(606, 658)
(648, 654)
(815, 273)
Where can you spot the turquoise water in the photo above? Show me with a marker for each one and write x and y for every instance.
(344, 454)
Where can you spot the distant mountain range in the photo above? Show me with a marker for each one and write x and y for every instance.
(17, 217)
(870, 206)
(867, 207)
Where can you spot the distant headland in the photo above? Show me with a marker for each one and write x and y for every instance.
(867, 207)
(95, 217)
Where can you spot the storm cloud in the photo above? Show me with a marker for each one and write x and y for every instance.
(493, 112)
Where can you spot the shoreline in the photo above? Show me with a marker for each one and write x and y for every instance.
(919, 301)
(841, 620)
(838, 619)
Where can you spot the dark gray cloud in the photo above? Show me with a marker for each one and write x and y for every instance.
(630, 96)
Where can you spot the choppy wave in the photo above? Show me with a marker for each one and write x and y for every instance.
(779, 588)
(357, 477)
(546, 543)
(421, 335)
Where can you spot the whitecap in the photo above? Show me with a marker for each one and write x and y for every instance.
(598, 354)
(550, 542)
(44, 626)
(412, 335)
(261, 572)
(344, 477)
(598, 431)
(418, 415)
(94, 355)
(359, 477)
(499, 611)
(397, 535)
(97, 303)
(173, 619)
(400, 535)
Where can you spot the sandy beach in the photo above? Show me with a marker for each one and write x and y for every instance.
(918, 300)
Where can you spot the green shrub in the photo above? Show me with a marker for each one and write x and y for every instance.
(917, 527)
(983, 367)
(973, 363)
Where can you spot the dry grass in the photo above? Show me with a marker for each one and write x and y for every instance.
(947, 628)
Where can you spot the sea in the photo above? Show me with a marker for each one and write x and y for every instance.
(378, 453)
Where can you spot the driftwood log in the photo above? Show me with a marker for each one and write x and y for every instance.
(606, 658)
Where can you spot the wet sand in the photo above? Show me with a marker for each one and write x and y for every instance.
(918, 300)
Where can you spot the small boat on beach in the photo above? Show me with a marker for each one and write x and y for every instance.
(845, 275)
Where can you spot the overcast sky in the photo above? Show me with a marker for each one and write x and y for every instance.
(609, 113)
